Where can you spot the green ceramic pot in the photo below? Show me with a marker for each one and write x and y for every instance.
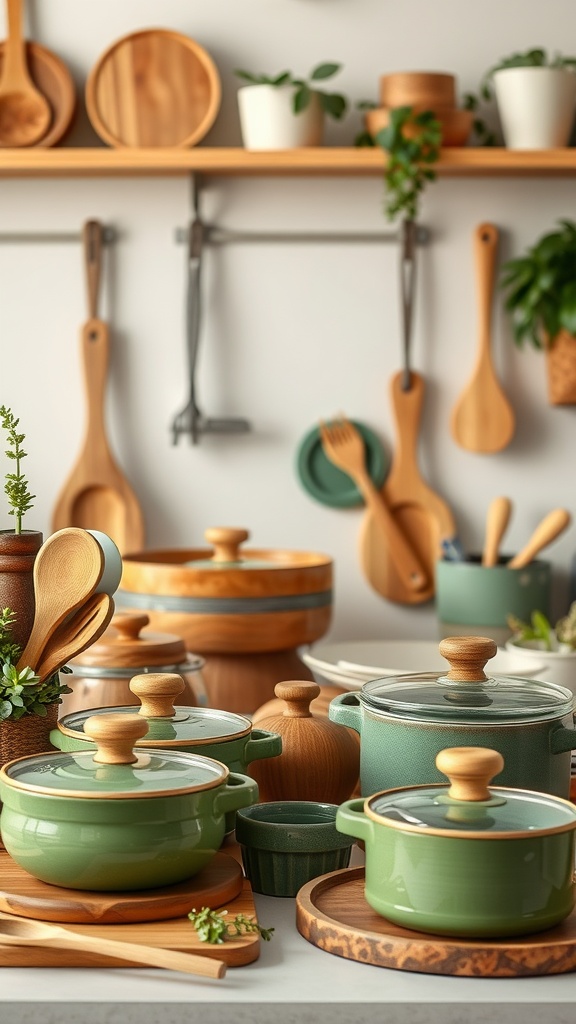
(222, 735)
(117, 819)
(495, 864)
(405, 721)
(286, 843)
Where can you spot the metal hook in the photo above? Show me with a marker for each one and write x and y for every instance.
(408, 240)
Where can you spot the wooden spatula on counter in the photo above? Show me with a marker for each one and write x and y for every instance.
(483, 419)
(19, 932)
(97, 495)
(422, 515)
(547, 530)
(344, 446)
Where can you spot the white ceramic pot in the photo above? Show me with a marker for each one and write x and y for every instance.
(268, 121)
(558, 666)
(536, 106)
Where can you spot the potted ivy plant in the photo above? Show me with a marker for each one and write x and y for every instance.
(540, 290)
(411, 142)
(284, 111)
(536, 98)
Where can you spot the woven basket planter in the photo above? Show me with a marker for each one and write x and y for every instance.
(561, 367)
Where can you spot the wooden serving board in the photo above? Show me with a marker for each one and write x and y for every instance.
(331, 913)
(178, 934)
(25, 896)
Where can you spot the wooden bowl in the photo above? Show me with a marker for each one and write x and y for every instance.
(408, 88)
(153, 88)
(54, 80)
(456, 124)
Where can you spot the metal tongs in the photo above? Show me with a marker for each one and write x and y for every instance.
(190, 420)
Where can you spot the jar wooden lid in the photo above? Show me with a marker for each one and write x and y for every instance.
(127, 644)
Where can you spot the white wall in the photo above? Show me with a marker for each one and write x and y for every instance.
(291, 333)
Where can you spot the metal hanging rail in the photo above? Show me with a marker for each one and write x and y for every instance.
(215, 235)
(109, 235)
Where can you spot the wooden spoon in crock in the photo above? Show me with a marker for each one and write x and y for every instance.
(25, 113)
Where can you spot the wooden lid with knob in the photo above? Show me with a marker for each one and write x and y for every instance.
(467, 656)
(320, 760)
(470, 770)
(115, 735)
(128, 644)
(157, 692)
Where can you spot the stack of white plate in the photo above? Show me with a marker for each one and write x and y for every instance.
(349, 664)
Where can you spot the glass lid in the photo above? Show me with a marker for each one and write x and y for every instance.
(467, 807)
(115, 769)
(465, 693)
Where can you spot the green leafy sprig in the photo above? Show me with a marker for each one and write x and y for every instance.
(16, 486)
(213, 927)
(21, 692)
(333, 104)
(539, 629)
(412, 142)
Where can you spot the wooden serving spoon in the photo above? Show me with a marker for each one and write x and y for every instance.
(497, 521)
(67, 570)
(547, 530)
(25, 113)
(77, 632)
(19, 932)
(483, 419)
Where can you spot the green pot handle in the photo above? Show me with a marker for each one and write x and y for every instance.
(262, 744)
(562, 739)
(345, 709)
(239, 791)
(351, 820)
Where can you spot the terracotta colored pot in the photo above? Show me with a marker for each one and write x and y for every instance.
(410, 88)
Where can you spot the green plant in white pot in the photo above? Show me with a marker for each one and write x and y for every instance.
(554, 646)
(540, 288)
(536, 98)
(285, 112)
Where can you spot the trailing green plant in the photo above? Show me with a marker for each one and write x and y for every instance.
(16, 485)
(213, 927)
(332, 103)
(540, 288)
(541, 630)
(412, 142)
(21, 692)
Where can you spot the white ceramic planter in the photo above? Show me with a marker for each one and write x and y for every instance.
(536, 106)
(559, 666)
(268, 121)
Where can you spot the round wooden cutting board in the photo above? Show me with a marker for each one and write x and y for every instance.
(331, 913)
(153, 88)
(21, 894)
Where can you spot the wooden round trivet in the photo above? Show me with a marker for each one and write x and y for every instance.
(331, 913)
(21, 894)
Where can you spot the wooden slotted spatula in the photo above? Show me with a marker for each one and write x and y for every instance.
(344, 446)
(97, 495)
(422, 515)
(483, 419)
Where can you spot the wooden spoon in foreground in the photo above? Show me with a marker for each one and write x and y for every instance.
(497, 520)
(67, 570)
(546, 531)
(18, 932)
(25, 114)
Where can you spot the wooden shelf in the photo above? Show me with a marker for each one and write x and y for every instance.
(328, 161)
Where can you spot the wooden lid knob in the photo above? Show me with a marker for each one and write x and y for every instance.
(469, 769)
(130, 624)
(298, 696)
(226, 541)
(157, 692)
(467, 656)
(115, 735)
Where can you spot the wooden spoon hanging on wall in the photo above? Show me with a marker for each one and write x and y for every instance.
(97, 495)
(25, 113)
(483, 419)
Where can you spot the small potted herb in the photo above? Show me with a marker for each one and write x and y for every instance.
(540, 289)
(552, 648)
(284, 111)
(535, 94)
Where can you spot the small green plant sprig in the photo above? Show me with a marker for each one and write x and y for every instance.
(16, 485)
(540, 629)
(213, 926)
(412, 142)
(540, 288)
(21, 692)
(332, 103)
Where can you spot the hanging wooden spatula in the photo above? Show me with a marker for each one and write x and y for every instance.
(97, 495)
(483, 419)
(344, 446)
(420, 513)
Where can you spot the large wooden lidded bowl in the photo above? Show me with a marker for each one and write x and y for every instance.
(245, 611)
